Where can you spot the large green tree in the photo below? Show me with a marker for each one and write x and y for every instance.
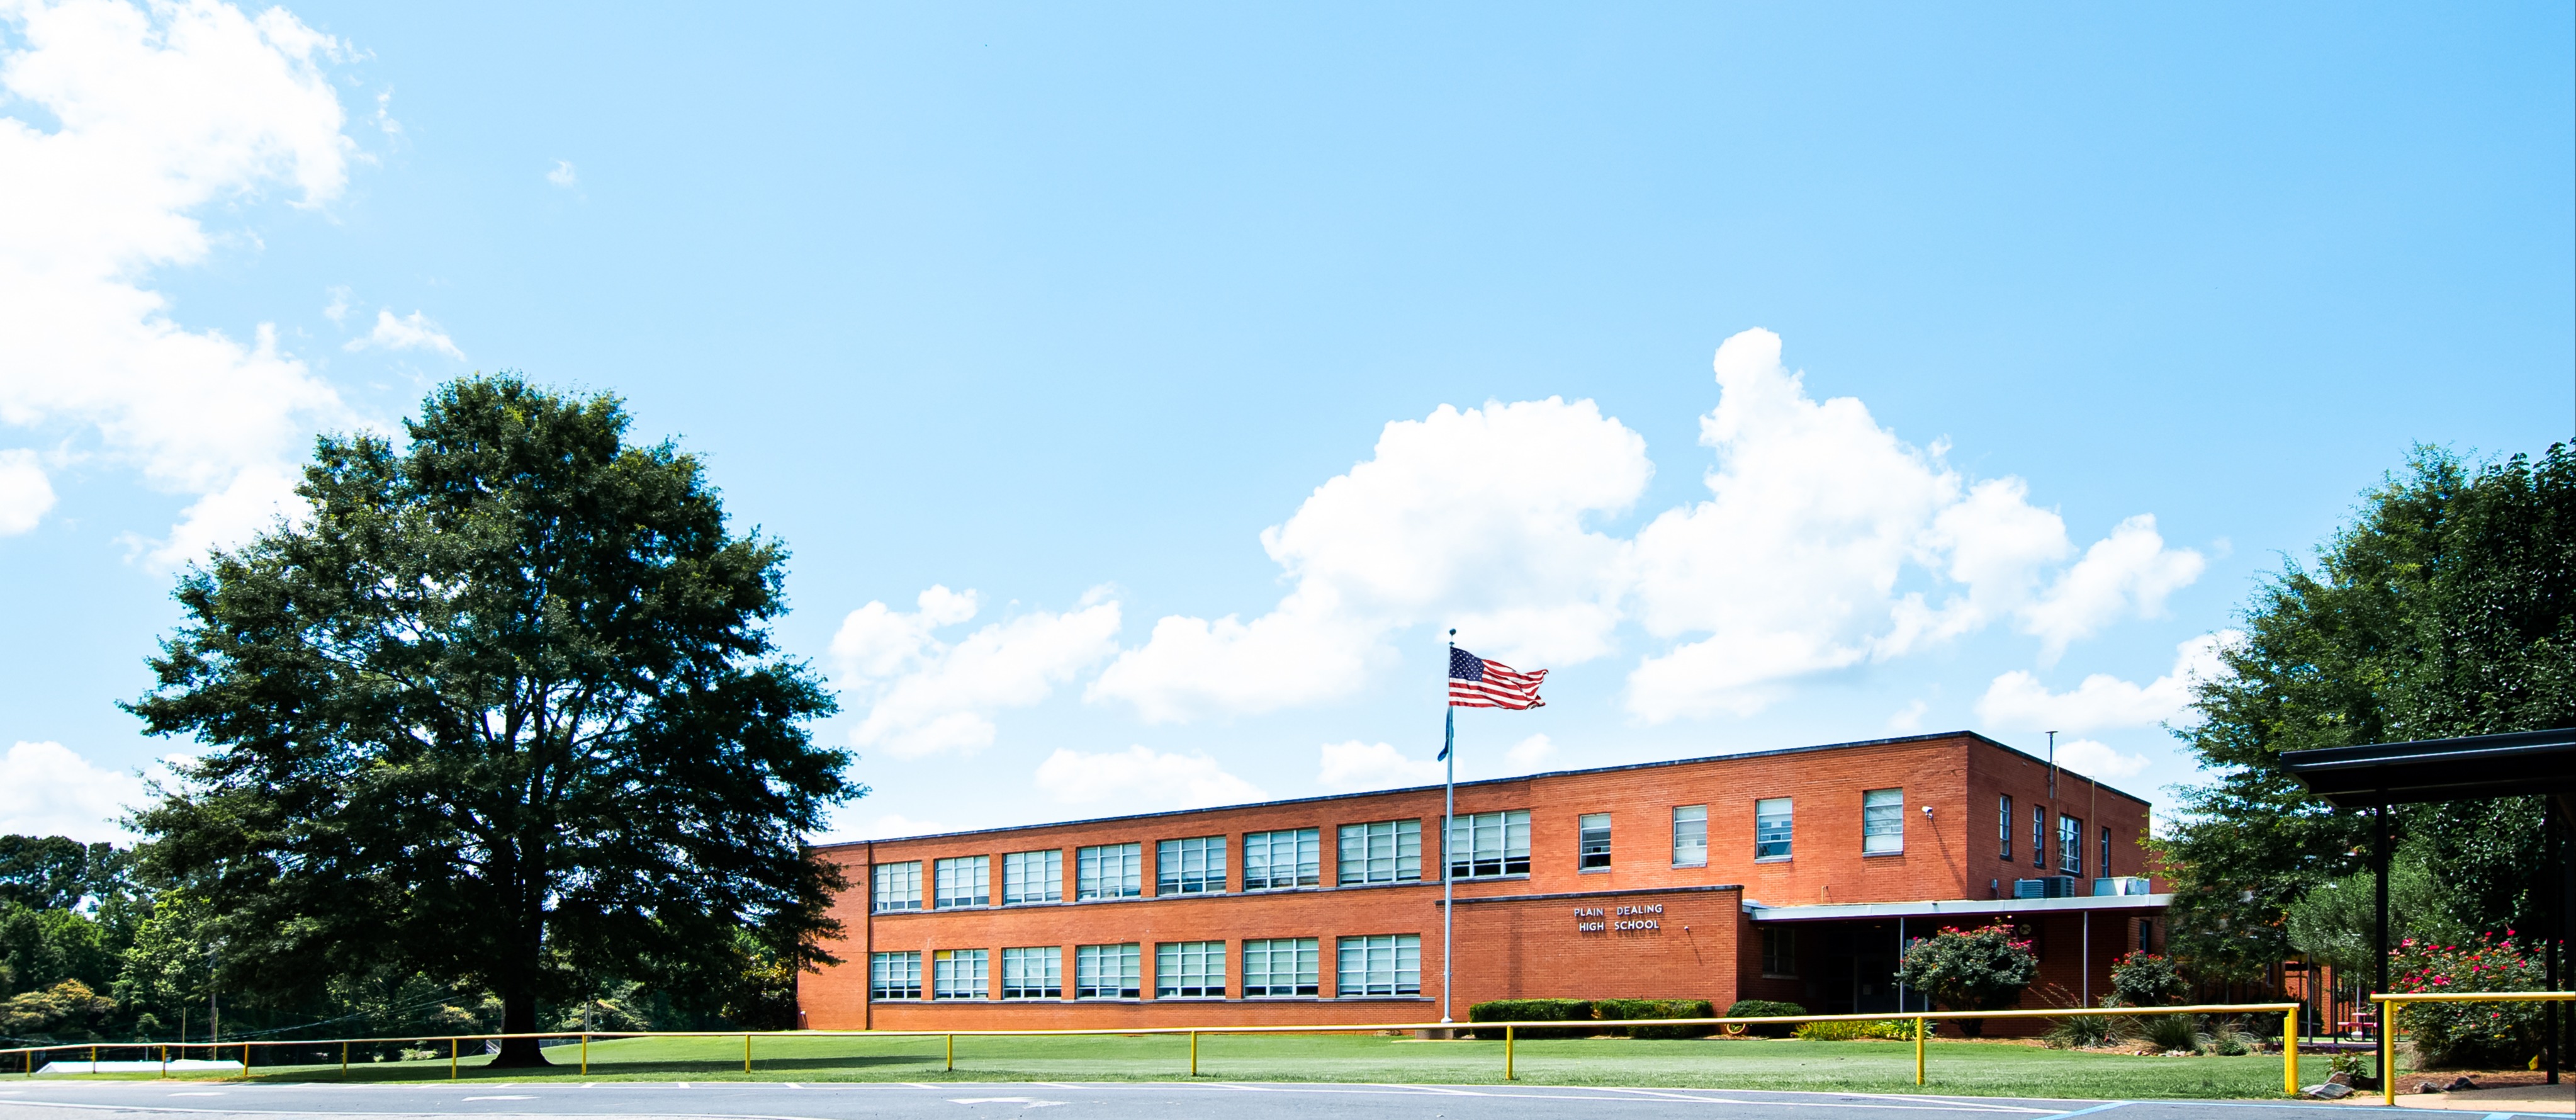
(500, 706)
(2448, 607)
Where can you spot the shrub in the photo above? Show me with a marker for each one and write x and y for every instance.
(2144, 979)
(1658, 1009)
(1763, 1008)
(2488, 1035)
(1971, 970)
(2170, 1032)
(1847, 1030)
(1527, 1010)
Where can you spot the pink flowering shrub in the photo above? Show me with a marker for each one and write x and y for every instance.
(2470, 1034)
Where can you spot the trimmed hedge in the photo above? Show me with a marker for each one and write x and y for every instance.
(1526, 1010)
(1658, 1009)
(1760, 1008)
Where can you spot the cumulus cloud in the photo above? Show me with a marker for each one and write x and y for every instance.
(563, 175)
(2017, 701)
(1908, 719)
(1138, 779)
(925, 695)
(411, 332)
(2096, 760)
(1531, 753)
(25, 493)
(1356, 766)
(48, 789)
(148, 115)
(2128, 573)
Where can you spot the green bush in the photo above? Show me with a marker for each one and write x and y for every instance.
(2144, 979)
(1764, 1008)
(1529, 1010)
(2478, 1035)
(1848, 1030)
(1971, 970)
(1658, 1009)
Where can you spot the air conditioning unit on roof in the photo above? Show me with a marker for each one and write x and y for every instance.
(2051, 886)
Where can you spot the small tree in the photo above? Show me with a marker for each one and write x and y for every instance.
(1971, 970)
(2144, 979)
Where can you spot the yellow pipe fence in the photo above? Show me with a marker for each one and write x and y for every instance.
(2388, 1036)
(1923, 1025)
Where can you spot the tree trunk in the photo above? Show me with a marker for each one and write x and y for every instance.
(519, 1016)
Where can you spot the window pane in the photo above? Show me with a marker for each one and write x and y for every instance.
(1690, 836)
(1033, 877)
(1882, 821)
(2038, 836)
(1193, 866)
(1381, 852)
(1379, 966)
(962, 881)
(1780, 951)
(2070, 844)
(1594, 838)
(1033, 973)
(1107, 971)
(1109, 871)
(1771, 828)
(1281, 860)
(1486, 845)
(894, 975)
(898, 886)
(1189, 970)
(2003, 825)
(2105, 868)
(958, 974)
(1286, 966)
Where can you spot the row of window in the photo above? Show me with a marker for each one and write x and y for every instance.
(1372, 965)
(2070, 838)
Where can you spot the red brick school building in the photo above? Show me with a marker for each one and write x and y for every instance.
(1788, 874)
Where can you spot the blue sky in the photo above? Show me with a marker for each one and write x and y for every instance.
(1066, 307)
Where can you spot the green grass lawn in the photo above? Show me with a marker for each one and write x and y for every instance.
(1966, 1068)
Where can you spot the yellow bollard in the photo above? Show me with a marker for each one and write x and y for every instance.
(245, 1061)
(2290, 1055)
(344, 1059)
(2388, 1053)
(1918, 1050)
(1194, 1053)
(746, 1053)
(585, 1055)
(1507, 1052)
(451, 1059)
(165, 1061)
(952, 1053)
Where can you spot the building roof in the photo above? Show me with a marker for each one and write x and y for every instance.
(2471, 768)
(1772, 753)
(1955, 908)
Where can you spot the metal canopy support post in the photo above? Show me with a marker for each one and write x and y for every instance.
(2550, 823)
(1900, 966)
(2379, 868)
(2084, 984)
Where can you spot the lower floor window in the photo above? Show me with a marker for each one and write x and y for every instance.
(1384, 965)
(1283, 966)
(1779, 952)
(894, 976)
(958, 974)
(1035, 973)
(1107, 971)
(1189, 970)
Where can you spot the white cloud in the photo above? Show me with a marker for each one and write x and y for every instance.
(563, 175)
(25, 493)
(2129, 572)
(411, 332)
(1908, 719)
(1139, 779)
(2017, 701)
(1531, 753)
(1356, 766)
(926, 696)
(155, 113)
(2095, 760)
(1480, 518)
(47, 789)
(338, 309)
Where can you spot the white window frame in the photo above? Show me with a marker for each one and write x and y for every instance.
(1489, 845)
(1030, 878)
(960, 974)
(1105, 871)
(1882, 822)
(1189, 970)
(1264, 975)
(1094, 965)
(895, 887)
(1592, 842)
(1378, 966)
(2105, 869)
(1381, 852)
(1304, 849)
(1775, 830)
(961, 881)
(2039, 837)
(1191, 865)
(1690, 835)
(894, 975)
(1033, 972)
(2004, 824)
(2070, 857)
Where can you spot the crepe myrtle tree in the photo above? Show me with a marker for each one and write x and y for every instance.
(501, 706)
(1982, 969)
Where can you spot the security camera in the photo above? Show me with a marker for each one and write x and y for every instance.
(1927, 810)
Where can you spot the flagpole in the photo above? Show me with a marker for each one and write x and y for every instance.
(1448, 825)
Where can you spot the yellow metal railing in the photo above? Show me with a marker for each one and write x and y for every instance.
(1923, 1023)
(2387, 1024)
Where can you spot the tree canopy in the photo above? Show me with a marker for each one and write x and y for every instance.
(500, 708)
(2447, 608)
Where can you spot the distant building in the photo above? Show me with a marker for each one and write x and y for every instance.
(1786, 874)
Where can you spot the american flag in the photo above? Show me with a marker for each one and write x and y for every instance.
(1477, 683)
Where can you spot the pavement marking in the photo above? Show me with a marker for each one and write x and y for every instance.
(1025, 1102)
(2096, 1108)
(506, 1098)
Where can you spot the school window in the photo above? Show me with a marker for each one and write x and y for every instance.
(1780, 952)
(957, 974)
(898, 886)
(1690, 836)
(1036, 972)
(2003, 825)
(1771, 827)
(1381, 852)
(1033, 877)
(2070, 844)
(1280, 966)
(1107, 971)
(1594, 836)
(1109, 871)
(2038, 836)
(1487, 845)
(1193, 866)
(1882, 821)
(1379, 966)
(894, 976)
(2105, 865)
(1277, 861)
(963, 881)
(1189, 970)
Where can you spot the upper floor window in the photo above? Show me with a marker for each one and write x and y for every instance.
(1381, 852)
(1283, 859)
(2070, 844)
(1109, 871)
(1771, 828)
(1485, 845)
(1192, 866)
(898, 886)
(2105, 866)
(1882, 821)
(2003, 825)
(963, 881)
(2038, 836)
(1594, 853)
(1690, 836)
(1033, 877)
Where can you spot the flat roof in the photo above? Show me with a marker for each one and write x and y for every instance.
(2474, 767)
(1771, 753)
(1956, 908)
